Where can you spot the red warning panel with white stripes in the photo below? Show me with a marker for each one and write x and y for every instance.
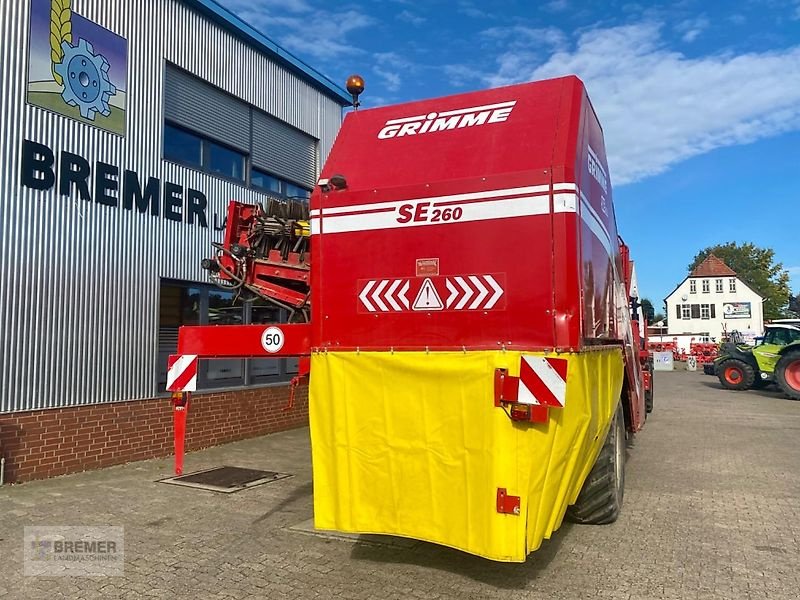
(182, 373)
(543, 381)
(447, 293)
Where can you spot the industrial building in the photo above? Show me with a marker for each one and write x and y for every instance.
(125, 129)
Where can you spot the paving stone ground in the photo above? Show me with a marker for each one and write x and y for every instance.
(712, 510)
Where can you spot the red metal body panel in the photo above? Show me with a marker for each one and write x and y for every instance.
(389, 179)
(463, 249)
(567, 261)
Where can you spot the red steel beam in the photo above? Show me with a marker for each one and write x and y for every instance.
(245, 341)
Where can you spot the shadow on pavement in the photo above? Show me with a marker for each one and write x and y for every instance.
(771, 391)
(497, 574)
(301, 492)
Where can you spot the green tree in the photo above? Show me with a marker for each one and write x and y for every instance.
(648, 310)
(758, 269)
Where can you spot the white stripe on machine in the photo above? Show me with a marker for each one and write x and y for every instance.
(462, 208)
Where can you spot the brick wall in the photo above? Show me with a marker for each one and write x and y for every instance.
(44, 443)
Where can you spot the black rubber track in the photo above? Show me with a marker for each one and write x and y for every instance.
(600, 500)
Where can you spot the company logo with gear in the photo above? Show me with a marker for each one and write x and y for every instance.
(86, 82)
(77, 67)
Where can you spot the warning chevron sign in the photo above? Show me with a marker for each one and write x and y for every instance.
(448, 293)
(428, 298)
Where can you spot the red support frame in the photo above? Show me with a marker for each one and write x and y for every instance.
(244, 341)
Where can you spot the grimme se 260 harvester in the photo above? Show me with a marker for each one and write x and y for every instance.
(462, 302)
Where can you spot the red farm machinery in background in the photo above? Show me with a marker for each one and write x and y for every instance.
(460, 296)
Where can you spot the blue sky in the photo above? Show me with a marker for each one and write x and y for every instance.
(699, 101)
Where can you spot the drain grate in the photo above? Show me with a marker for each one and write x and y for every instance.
(226, 479)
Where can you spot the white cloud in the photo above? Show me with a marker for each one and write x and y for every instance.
(459, 75)
(659, 107)
(690, 29)
(410, 17)
(518, 36)
(388, 66)
(300, 27)
(252, 6)
(465, 7)
(393, 59)
(376, 101)
(557, 5)
(391, 80)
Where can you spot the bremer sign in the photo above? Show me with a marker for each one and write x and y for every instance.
(170, 200)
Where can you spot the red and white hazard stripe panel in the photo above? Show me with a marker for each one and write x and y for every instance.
(543, 381)
(182, 373)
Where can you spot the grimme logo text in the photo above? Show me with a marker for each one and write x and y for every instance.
(450, 119)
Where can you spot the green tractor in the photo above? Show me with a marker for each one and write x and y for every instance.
(775, 359)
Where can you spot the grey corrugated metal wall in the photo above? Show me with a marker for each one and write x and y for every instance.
(79, 281)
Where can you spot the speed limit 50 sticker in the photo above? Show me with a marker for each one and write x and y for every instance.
(272, 339)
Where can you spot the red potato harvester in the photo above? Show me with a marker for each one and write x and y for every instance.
(460, 296)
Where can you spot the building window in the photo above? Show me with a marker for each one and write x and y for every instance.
(183, 303)
(719, 285)
(183, 146)
(229, 137)
(732, 286)
(705, 311)
(188, 148)
(295, 191)
(692, 286)
(263, 181)
(706, 288)
(686, 311)
(276, 186)
(224, 161)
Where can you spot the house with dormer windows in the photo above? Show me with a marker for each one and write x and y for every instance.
(713, 300)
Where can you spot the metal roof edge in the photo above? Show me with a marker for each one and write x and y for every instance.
(222, 16)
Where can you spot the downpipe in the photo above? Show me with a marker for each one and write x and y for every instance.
(2, 469)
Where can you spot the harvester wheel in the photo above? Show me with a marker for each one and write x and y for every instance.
(600, 500)
(787, 374)
(736, 374)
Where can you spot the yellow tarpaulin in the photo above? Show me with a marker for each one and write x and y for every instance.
(411, 444)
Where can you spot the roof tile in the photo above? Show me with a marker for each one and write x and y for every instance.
(713, 267)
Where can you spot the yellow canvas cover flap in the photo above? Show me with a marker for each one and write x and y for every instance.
(411, 444)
